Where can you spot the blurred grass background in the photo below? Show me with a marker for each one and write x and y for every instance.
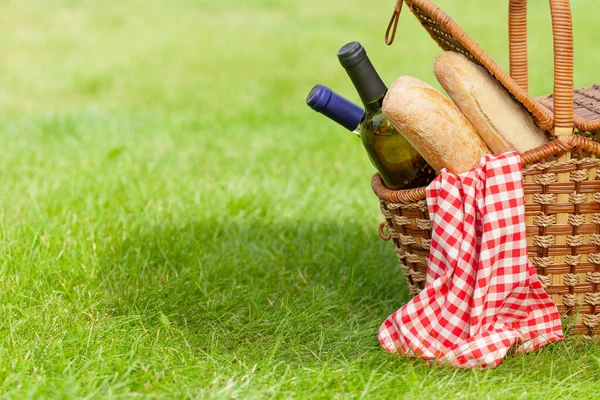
(176, 223)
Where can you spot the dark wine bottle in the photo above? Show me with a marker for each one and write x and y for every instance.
(338, 108)
(398, 163)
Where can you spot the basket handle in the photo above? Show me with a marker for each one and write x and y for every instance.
(562, 29)
(517, 42)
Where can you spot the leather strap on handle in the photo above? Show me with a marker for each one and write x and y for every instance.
(517, 35)
(390, 32)
(562, 29)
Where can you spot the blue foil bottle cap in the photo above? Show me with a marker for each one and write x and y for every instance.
(319, 97)
(327, 102)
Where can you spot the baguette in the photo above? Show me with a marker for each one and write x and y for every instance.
(500, 121)
(433, 125)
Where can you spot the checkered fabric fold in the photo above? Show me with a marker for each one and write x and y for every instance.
(482, 295)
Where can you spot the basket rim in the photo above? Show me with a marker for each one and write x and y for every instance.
(556, 147)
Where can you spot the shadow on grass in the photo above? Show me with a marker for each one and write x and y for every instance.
(255, 280)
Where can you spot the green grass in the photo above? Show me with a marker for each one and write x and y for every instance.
(176, 223)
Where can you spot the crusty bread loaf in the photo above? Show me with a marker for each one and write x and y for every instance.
(433, 125)
(500, 121)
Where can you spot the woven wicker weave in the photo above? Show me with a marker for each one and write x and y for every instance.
(586, 103)
(561, 178)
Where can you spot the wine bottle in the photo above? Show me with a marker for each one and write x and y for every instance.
(398, 163)
(327, 102)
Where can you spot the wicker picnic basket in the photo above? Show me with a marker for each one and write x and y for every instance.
(561, 177)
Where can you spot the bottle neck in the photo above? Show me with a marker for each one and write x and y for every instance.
(375, 104)
(363, 75)
(332, 105)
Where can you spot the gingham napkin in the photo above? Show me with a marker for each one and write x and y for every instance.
(482, 295)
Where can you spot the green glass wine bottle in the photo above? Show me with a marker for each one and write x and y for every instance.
(398, 163)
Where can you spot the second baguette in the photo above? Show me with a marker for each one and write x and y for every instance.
(502, 123)
(433, 125)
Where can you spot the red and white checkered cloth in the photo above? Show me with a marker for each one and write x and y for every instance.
(481, 296)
